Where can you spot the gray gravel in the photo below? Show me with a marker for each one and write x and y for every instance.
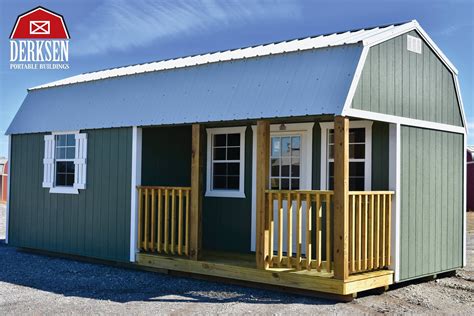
(36, 284)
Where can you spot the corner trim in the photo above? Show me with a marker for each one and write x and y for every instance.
(136, 180)
(394, 185)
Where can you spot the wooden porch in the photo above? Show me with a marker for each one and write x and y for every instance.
(335, 242)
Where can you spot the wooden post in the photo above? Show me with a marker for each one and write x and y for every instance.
(263, 168)
(341, 198)
(195, 218)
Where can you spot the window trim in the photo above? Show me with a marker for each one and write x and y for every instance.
(62, 189)
(367, 125)
(225, 193)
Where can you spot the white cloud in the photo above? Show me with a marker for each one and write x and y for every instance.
(122, 25)
(470, 125)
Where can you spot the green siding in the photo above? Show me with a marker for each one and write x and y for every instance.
(316, 159)
(227, 221)
(380, 152)
(94, 223)
(166, 156)
(398, 82)
(431, 202)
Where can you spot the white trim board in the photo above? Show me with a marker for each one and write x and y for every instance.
(367, 125)
(7, 211)
(136, 181)
(394, 185)
(355, 79)
(306, 131)
(402, 120)
(464, 209)
(225, 193)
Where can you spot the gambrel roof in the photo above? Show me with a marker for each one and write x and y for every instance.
(301, 77)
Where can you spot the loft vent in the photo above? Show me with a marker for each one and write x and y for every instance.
(414, 44)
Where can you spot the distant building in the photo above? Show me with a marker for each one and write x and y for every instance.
(3, 179)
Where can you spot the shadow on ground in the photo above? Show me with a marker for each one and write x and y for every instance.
(101, 282)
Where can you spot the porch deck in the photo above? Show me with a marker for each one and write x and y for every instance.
(242, 267)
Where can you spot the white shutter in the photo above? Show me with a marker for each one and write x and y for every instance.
(48, 161)
(80, 162)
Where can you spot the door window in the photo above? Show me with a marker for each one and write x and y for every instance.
(285, 162)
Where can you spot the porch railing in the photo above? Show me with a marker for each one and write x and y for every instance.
(291, 222)
(369, 230)
(163, 219)
(301, 228)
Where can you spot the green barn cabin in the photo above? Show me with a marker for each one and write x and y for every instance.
(330, 164)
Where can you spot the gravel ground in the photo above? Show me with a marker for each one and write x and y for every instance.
(34, 284)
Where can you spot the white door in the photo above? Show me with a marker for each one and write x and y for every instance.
(285, 174)
(290, 169)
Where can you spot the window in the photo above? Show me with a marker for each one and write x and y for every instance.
(65, 162)
(225, 176)
(64, 159)
(360, 151)
(285, 162)
(356, 159)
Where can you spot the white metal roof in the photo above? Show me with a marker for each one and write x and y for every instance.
(227, 85)
(328, 40)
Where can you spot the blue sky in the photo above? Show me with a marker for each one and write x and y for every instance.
(111, 33)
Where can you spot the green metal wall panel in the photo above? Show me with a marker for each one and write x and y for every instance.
(166, 156)
(227, 221)
(398, 82)
(94, 223)
(431, 202)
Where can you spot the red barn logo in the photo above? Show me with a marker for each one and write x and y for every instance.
(40, 23)
(39, 36)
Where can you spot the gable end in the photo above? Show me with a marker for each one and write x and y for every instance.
(399, 82)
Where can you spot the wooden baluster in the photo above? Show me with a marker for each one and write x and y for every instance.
(298, 231)
(160, 221)
(388, 229)
(271, 229)
(140, 219)
(153, 220)
(318, 240)
(308, 231)
(352, 231)
(377, 233)
(173, 220)
(280, 229)
(359, 231)
(289, 230)
(146, 220)
(186, 247)
(364, 232)
(180, 222)
(383, 231)
(167, 222)
(328, 232)
(371, 232)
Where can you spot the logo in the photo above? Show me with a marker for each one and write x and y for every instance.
(39, 40)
